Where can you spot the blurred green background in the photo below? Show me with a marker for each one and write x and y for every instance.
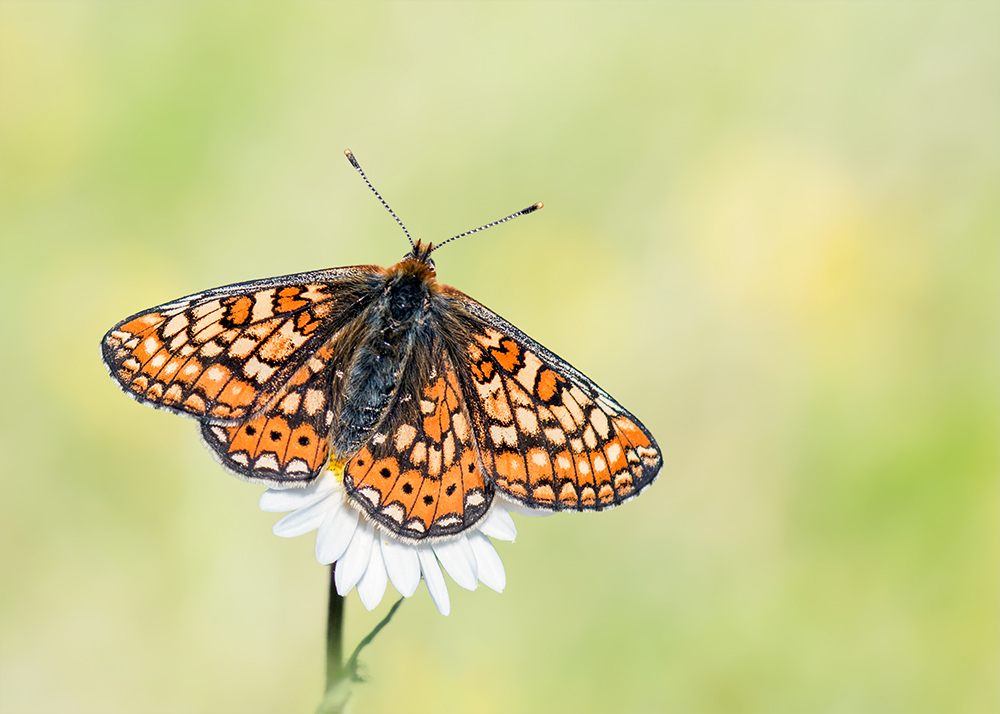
(771, 230)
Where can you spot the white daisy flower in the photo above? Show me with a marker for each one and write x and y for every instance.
(368, 557)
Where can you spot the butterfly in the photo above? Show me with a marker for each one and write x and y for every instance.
(431, 403)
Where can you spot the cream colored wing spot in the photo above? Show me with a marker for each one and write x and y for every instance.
(394, 511)
(213, 330)
(372, 495)
(263, 303)
(449, 449)
(556, 436)
(211, 349)
(240, 457)
(490, 338)
(242, 347)
(205, 322)
(415, 524)
(268, 460)
(176, 324)
(314, 401)
(297, 466)
(527, 375)
(527, 421)
(405, 436)
(290, 403)
(599, 420)
(503, 435)
(207, 308)
(257, 370)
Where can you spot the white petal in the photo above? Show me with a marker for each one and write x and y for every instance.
(402, 564)
(491, 571)
(279, 500)
(498, 524)
(352, 566)
(302, 520)
(458, 559)
(435, 579)
(372, 585)
(336, 531)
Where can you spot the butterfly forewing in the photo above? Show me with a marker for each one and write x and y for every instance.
(548, 436)
(226, 354)
(418, 476)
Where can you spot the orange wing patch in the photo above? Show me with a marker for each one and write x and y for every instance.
(418, 476)
(549, 438)
(290, 440)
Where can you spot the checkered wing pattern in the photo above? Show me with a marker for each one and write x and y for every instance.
(289, 441)
(433, 403)
(419, 474)
(548, 436)
(228, 353)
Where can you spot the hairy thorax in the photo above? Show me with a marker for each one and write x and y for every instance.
(391, 328)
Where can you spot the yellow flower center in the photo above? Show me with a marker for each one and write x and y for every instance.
(338, 469)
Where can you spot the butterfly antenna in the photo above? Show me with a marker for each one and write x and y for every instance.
(523, 212)
(356, 165)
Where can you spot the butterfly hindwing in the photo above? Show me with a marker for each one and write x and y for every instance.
(418, 476)
(289, 442)
(225, 354)
(548, 436)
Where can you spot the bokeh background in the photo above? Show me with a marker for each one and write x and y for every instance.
(771, 230)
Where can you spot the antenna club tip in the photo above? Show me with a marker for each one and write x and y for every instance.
(350, 157)
(532, 208)
(538, 205)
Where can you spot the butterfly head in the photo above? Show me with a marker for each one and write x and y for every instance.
(421, 253)
(415, 265)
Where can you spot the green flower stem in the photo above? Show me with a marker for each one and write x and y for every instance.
(338, 682)
(334, 633)
(340, 676)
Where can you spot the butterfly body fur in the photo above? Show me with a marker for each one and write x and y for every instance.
(432, 403)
